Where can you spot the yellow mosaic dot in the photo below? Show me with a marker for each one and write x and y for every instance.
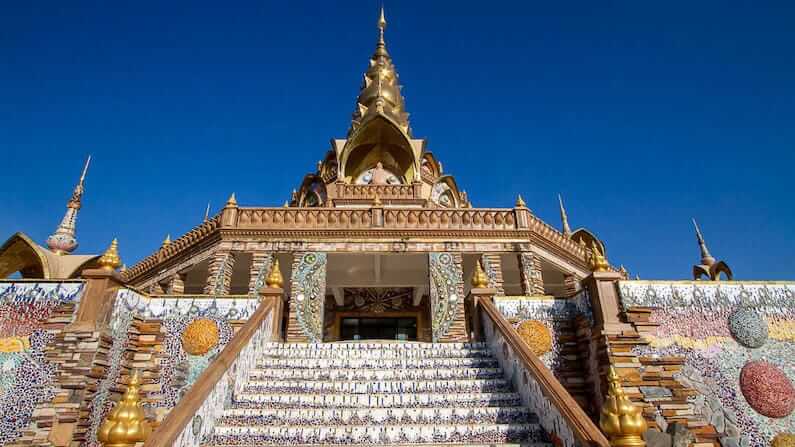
(783, 440)
(536, 335)
(200, 336)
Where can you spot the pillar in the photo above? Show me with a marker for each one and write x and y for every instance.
(219, 273)
(570, 285)
(260, 266)
(492, 264)
(175, 284)
(530, 270)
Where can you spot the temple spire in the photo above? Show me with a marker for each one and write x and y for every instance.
(706, 257)
(63, 241)
(380, 91)
(564, 218)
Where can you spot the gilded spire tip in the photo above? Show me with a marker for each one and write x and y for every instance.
(620, 419)
(166, 241)
(564, 218)
(110, 260)
(479, 279)
(275, 279)
(520, 202)
(126, 424)
(207, 212)
(232, 201)
(64, 241)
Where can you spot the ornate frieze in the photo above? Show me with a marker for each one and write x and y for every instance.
(308, 294)
(446, 291)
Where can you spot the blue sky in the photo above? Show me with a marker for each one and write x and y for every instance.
(641, 114)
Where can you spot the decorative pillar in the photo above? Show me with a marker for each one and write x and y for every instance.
(492, 266)
(260, 266)
(219, 273)
(530, 270)
(175, 284)
(308, 295)
(448, 320)
(273, 290)
(570, 285)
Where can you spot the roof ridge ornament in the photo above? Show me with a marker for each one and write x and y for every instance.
(709, 266)
(110, 260)
(564, 217)
(64, 241)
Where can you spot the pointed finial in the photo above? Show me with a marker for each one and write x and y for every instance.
(110, 260)
(126, 424)
(520, 202)
(166, 241)
(381, 26)
(275, 279)
(706, 257)
(64, 241)
(207, 212)
(286, 205)
(479, 278)
(123, 268)
(564, 218)
(637, 276)
(598, 262)
(232, 201)
(620, 419)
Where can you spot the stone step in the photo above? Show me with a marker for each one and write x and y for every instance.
(446, 444)
(427, 353)
(375, 374)
(370, 346)
(384, 435)
(346, 400)
(380, 386)
(343, 362)
(351, 417)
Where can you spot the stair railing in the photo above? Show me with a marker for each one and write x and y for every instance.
(194, 416)
(558, 412)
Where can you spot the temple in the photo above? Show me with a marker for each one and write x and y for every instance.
(379, 306)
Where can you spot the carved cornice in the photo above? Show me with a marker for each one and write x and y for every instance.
(384, 192)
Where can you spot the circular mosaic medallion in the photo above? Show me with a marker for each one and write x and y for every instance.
(783, 440)
(748, 327)
(200, 336)
(767, 390)
(536, 335)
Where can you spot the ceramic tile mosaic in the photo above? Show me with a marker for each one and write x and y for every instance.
(30, 315)
(721, 330)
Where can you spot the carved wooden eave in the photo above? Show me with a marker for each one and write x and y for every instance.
(364, 224)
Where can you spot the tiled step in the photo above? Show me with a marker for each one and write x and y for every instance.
(377, 386)
(371, 346)
(383, 435)
(355, 417)
(427, 353)
(344, 400)
(346, 374)
(343, 362)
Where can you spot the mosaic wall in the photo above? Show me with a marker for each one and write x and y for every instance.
(308, 294)
(738, 345)
(30, 316)
(446, 292)
(193, 329)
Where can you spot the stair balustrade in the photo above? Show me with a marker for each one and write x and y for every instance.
(559, 413)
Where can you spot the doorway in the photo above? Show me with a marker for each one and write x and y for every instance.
(380, 328)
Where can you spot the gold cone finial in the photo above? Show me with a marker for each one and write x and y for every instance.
(126, 424)
(110, 260)
(621, 421)
(706, 258)
(275, 278)
(232, 201)
(479, 278)
(598, 262)
(520, 202)
(166, 241)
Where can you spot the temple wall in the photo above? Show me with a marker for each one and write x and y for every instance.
(718, 357)
(549, 326)
(32, 315)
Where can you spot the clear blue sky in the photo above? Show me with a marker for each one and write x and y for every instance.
(641, 114)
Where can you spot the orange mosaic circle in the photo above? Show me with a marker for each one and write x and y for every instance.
(200, 336)
(536, 335)
(783, 440)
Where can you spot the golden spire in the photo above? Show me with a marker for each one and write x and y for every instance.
(207, 212)
(598, 262)
(166, 241)
(275, 278)
(621, 421)
(126, 424)
(232, 201)
(380, 91)
(63, 241)
(479, 278)
(564, 218)
(110, 260)
(520, 202)
(706, 257)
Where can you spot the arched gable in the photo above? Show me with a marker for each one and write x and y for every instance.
(379, 139)
(20, 254)
(585, 236)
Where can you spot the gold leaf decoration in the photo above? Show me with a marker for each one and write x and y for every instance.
(200, 336)
(536, 335)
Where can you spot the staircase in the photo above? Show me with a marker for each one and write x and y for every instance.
(376, 394)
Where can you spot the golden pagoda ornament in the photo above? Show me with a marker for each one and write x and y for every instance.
(110, 260)
(479, 278)
(620, 419)
(598, 262)
(275, 279)
(126, 424)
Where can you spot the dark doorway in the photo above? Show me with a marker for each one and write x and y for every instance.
(404, 328)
